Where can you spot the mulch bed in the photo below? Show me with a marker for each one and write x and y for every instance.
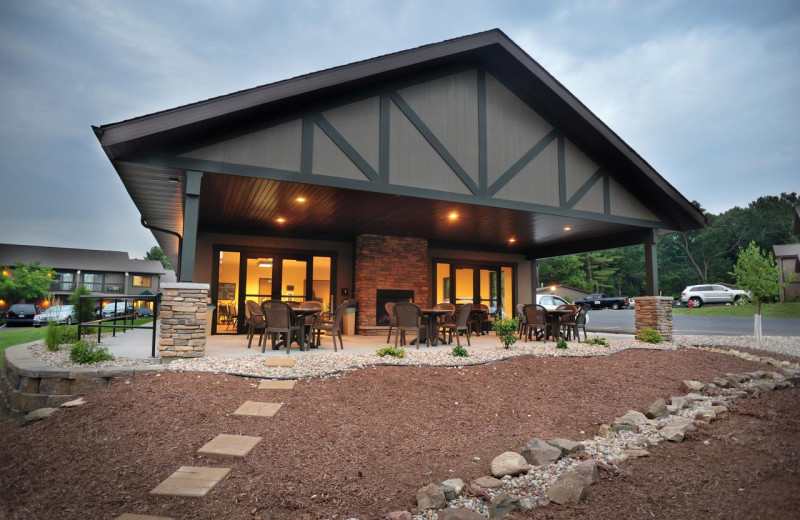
(355, 446)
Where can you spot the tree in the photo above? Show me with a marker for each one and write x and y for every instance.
(83, 310)
(156, 253)
(757, 272)
(25, 282)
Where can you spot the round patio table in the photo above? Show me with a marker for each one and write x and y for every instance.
(432, 321)
(554, 316)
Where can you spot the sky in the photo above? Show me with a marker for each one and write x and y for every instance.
(708, 92)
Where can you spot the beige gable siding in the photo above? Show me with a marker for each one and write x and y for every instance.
(537, 183)
(624, 204)
(578, 167)
(593, 200)
(359, 124)
(512, 128)
(414, 162)
(274, 147)
(449, 107)
(330, 160)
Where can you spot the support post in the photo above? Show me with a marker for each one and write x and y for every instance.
(534, 279)
(651, 263)
(191, 214)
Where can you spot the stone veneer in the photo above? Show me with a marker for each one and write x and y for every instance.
(388, 262)
(654, 312)
(183, 320)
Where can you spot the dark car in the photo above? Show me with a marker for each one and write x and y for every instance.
(144, 312)
(21, 314)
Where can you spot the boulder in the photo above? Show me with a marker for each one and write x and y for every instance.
(672, 409)
(629, 422)
(775, 376)
(38, 415)
(737, 378)
(565, 445)
(526, 504)
(502, 504)
(605, 431)
(792, 374)
(691, 398)
(539, 453)
(657, 409)
(459, 514)
(569, 488)
(487, 482)
(399, 515)
(706, 415)
(680, 402)
(72, 404)
(509, 463)
(453, 488)
(766, 386)
(719, 409)
(431, 497)
(722, 382)
(691, 386)
(588, 472)
(676, 431)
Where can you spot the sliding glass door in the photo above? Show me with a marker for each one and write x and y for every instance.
(459, 283)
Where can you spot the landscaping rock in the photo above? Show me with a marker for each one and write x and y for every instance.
(588, 472)
(636, 453)
(569, 488)
(565, 445)
(676, 431)
(431, 497)
(792, 374)
(605, 431)
(453, 488)
(766, 386)
(680, 402)
(691, 386)
(539, 453)
(487, 482)
(399, 515)
(692, 398)
(672, 409)
(75, 402)
(719, 409)
(502, 504)
(459, 514)
(722, 382)
(737, 378)
(706, 415)
(526, 504)
(38, 415)
(657, 409)
(629, 422)
(509, 463)
(775, 376)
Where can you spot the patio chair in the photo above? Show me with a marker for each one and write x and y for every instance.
(392, 319)
(522, 331)
(568, 320)
(577, 322)
(281, 319)
(334, 328)
(460, 324)
(313, 320)
(481, 318)
(451, 312)
(409, 319)
(538, 324)
(256, 322)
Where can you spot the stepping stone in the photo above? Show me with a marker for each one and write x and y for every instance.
(129, 516)
(279, 362)
(191, 481)
(276, 385)
(258, 409)
(229, 446)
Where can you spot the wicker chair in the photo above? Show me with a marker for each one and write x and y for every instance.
(281, 320)
(481, 318)
(461, 323)
(576, 322)
(523, 321)
(446, 318)
(409, 319)
(256, 322)
(392, 319)
(538, 325)
(567, 320)
(334, 328)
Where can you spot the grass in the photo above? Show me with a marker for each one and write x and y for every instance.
(10, 336)
(768, 310)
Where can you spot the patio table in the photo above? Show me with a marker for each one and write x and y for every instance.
(554, 316)
(432, 321)
(299, 317)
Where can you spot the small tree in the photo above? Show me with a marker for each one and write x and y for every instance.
(505, 329)
(156, 253)
(25, 281)
(758, 273)
(82, 311)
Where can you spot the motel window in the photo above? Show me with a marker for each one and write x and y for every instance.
(141, 281)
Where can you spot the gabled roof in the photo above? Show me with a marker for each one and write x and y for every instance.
(74, 259)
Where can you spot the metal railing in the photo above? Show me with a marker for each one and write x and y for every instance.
(128, 313)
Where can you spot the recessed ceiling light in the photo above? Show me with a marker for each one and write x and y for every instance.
(452, 216)
(300, 199)
(280, 220)
(263, 263)
(512, 240)
(567, 228)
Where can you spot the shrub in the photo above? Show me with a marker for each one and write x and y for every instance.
(52, 336)
(459, 351)
(597, 341)
(562, 344)
(86, 352)
(649, 336)
(86, 306)
(68, 335)
(391, 351)
(506, 329)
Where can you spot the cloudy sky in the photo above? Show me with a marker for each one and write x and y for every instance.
(708, 92)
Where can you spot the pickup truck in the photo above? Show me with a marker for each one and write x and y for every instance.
(598, 301)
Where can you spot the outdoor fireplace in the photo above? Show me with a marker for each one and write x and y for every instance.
(389, 295)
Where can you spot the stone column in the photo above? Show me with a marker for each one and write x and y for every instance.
(654, 312)
(183, 320)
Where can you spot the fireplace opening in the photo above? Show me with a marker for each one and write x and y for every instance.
(390, 295)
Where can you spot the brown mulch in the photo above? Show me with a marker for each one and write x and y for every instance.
(356, 446)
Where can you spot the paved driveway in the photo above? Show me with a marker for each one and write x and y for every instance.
(623, 321)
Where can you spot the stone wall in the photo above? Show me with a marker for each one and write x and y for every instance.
(654, 312)
(183, 320)
(388, 262)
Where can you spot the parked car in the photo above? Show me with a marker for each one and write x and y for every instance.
(700, 295)
(21, 314)
(61, 314)
(550, 301)
(144, 312)
(117, 309)
(599, 301)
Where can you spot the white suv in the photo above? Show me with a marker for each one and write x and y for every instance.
(702, 294)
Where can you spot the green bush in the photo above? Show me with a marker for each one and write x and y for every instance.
(86, 305)
(68, 334)
(506, 329)
(459, 351)
(52, 336)
(391, 351)
(597, 341)
(649, 336)
(86, 352)
(562, 344)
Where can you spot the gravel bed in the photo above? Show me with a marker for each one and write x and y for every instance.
(60, 358)
(786, 345)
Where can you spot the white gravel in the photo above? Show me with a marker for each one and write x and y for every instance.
(60, 358)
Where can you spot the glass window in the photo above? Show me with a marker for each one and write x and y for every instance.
(321, 290)
(443, 283)
(141, 281)
(465, 285)
(507, 290)
(294, 280)
(227, 292)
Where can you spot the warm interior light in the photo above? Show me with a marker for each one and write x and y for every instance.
(280, 220)
(512, 240)
(300, 199)
(5, 272)
(567, 228)
(452, 216)
(265, 263)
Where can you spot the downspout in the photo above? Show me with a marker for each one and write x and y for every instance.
(180, 243)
